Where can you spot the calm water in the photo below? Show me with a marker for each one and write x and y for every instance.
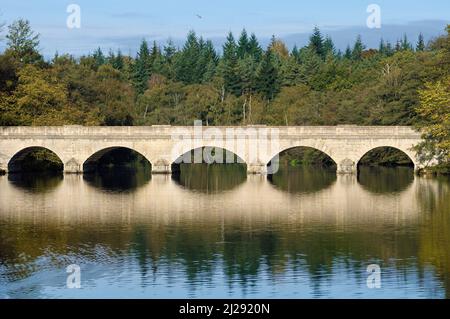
(214, 232)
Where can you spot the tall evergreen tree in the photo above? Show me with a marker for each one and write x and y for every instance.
(328, 46)
(169, 51)
(230, 60)
(405, 45)
(316, 42)
(420, 47)
(142, 68)
(267, 81)
(186, 64)
(243, 45)
(254, 49)
(207, 61)
(295, 53)
(358, 49)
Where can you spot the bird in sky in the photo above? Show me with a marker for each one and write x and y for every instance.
(199, 16)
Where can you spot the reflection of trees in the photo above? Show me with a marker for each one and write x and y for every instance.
(384, 180)
(37, 182)
(246, 252)
(435, 234)
(119, 178)
(211, 178)
(303, 179)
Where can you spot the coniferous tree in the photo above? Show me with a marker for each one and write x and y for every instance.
(316, 43)
(328, 46)
(207, 61)
(295, 53)
(404, 44)
(186, 64)
(358, 49)
(420, 47)
(267, 82)
(119, 61)
(254, 49)
(348, 53)
(243, 45)
(99, 58)
(230, 61)
(142, 68)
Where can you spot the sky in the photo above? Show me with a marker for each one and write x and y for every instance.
(123, 24)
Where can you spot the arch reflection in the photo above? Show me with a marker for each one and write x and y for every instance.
(385, 180)
(302, 180)
(41, 182)
(208, 178)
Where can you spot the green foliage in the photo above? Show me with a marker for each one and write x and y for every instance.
(23, 42)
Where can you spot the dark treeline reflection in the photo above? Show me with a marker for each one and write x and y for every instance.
(210, 178)
(36, 182)
(303, 179)
(117, 179)
(383, 180)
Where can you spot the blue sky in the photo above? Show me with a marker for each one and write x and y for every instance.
(122, 24)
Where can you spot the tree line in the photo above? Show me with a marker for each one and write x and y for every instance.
(397, 84)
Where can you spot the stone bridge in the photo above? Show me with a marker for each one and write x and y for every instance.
(78, 146)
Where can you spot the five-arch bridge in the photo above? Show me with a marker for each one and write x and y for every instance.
(77, 146)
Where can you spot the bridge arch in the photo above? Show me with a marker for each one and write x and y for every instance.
(324, 152)
(91, 163)
(16, 162)
(207, 153)
(408, 153)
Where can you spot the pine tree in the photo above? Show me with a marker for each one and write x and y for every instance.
(316, 42)
(295, 53)
(254, 49)
(358, 49)
(291, 72)
(348, 53)
(230, 60)
(142, 67)
(169, 51)
(328, 47)
(243, 45)
(404, 44)
(420, 47)
(118, 62)
(207, 61)
(186, 64)
(267, 82)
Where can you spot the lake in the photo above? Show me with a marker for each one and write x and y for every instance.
(214, 232)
